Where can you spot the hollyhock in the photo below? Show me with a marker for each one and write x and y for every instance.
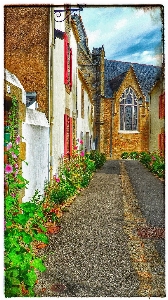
(8, 169)
(56, 178)
(75, 147)
(17, 140)
(14, 155)
(81, 142)
(82, 153)
(9, 146)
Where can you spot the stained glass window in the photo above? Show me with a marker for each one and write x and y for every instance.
(128, 110)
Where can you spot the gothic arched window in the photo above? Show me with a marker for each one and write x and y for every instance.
(129, 110)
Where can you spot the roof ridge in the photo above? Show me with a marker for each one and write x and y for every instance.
(129, 62)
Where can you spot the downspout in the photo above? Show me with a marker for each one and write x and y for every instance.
(111, 128)
(51, 91)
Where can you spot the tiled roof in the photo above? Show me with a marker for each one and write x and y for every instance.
(81, 31)
(115, 72)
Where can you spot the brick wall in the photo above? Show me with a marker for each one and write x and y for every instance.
(26, 48)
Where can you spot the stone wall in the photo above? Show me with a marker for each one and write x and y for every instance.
(113, 141)
(26, 48)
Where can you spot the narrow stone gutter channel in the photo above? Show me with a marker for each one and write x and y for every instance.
(99, 251)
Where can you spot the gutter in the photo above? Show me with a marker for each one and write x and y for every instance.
(51, 45)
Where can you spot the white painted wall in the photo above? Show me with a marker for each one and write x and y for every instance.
(83, 124)
(35, 131)
(58, 100)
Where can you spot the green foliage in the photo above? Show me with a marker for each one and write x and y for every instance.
(74, 174)
(98, 158)
(21, 222)
(153, 161)
(125, 155)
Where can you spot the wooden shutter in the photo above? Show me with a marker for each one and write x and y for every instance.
(65, 59)
(70, 68)
(162, 142)
(162, 106)
(65, 134)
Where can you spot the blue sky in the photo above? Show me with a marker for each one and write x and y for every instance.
(127, 33)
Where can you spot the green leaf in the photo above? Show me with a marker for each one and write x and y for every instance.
(21, 219)
(41, 237)
(42, 228)
(12, 292)
(31, 278)
(38, 264)
(15, 258)
(8, 223)
(27, 238)
(9, 201)
(14, 281)
(15, 273)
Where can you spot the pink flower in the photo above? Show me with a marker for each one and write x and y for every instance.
(56, 178)
(17, 171)
(14, 155)
(153, 158)
(17, 140)
(82, 153)
(75, 147)
(16, 166)
(81, 142)
(8, 169)
(9, 146)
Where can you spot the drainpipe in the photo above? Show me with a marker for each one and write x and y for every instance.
(111, 127)
(51, 91)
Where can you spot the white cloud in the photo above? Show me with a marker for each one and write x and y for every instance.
(120, 24)
(118, 29)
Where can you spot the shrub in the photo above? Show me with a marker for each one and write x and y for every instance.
(74, 174)
(125, 155)
(98, 158)
(153, 161)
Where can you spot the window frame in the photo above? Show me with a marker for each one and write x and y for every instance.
(129, 92)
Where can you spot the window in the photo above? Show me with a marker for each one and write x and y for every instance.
(129, 110)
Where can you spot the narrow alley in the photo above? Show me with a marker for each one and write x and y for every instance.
(111, 242)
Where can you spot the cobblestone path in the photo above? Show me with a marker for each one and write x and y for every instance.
(99, 251)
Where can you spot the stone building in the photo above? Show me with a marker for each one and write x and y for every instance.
(123, 107)
(42, 52)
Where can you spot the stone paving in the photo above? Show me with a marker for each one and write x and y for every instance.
(99, 251)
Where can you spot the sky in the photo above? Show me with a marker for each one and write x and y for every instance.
(127, 33)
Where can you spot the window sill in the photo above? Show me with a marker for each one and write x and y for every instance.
(128, 131)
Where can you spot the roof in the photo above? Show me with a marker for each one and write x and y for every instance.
(81, 31)
(115, 71)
